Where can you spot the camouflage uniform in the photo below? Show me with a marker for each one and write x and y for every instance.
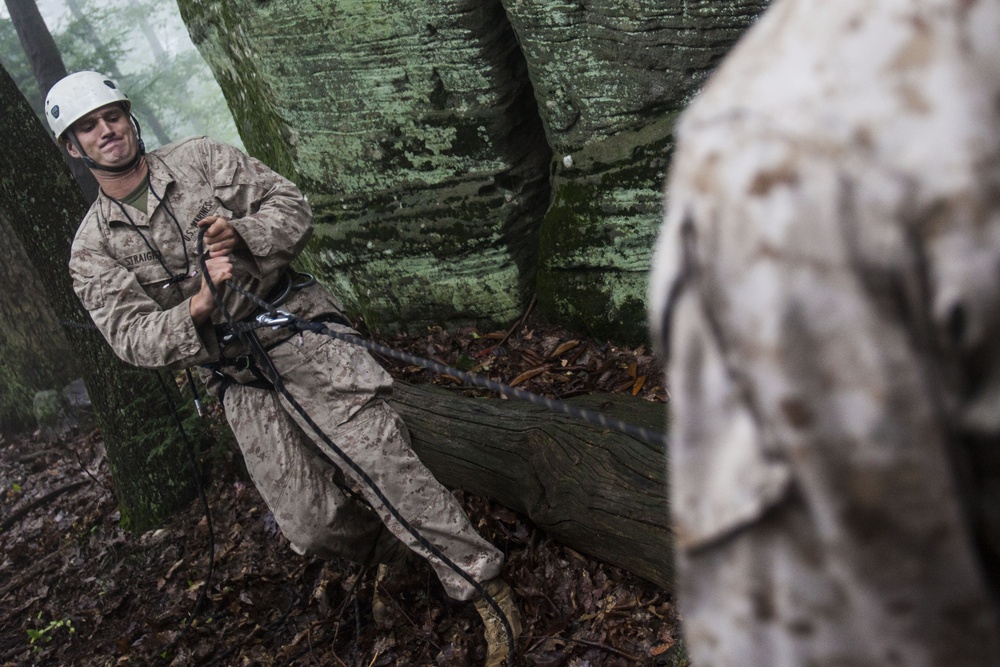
(146, 320)
(827, 290)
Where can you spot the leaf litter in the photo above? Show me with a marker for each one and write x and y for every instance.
(76, 589)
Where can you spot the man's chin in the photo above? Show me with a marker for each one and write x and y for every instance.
(116, 159)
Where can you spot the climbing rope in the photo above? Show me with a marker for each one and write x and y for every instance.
(263, 361)
(272, 317)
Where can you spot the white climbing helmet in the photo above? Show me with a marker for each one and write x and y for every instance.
(76, 95)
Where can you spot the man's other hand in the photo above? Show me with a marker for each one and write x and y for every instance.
(220, 237)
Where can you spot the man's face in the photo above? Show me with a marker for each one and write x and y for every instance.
(106, 135)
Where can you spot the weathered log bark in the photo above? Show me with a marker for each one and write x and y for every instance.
(597, 491)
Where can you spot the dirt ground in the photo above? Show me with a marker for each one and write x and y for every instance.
(76, 589)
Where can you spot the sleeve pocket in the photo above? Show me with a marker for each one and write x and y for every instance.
(90, 289)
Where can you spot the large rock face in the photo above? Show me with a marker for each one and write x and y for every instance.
(610, 77)
(464, 155)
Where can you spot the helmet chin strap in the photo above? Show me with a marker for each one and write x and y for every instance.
(87, 160)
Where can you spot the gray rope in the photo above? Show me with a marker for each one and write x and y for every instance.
(556, 405)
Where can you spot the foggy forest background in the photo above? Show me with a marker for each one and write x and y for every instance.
(145, 46)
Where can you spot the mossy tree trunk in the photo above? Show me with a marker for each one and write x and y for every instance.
(33, 349)
(412, 128)
(610, 79)
(152, 476)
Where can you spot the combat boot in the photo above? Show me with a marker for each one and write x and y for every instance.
(497, 645)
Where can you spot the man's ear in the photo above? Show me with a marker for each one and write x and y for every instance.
(70, 148)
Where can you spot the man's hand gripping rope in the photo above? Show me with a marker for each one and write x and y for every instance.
(221, 239)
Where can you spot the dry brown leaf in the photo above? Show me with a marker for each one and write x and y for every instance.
(531, 357)
(527, 375)
(659, 649)
(564, 348)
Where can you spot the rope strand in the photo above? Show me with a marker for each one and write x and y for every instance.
(556, 405)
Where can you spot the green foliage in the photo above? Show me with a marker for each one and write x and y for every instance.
(145, 45)
(45, 635)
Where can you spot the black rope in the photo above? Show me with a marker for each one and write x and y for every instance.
(554, 404)
(245, 330)
(264, 361)
(208, 521)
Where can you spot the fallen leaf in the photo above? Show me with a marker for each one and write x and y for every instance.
(527, 375)
(564, 348)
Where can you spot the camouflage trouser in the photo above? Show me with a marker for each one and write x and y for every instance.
(342, 389)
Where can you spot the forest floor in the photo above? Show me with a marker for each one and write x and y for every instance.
(77, 589)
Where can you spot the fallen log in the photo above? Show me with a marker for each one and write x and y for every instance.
(597, 491)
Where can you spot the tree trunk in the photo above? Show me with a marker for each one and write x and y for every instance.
(151, 474)
(47, 65)
(597, 491)
(33, 349)
(37, 42)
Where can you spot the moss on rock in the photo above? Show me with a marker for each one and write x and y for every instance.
(597, 237)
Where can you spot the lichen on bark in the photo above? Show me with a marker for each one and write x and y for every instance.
(431, 138)
(610, 77)
(416, 139)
